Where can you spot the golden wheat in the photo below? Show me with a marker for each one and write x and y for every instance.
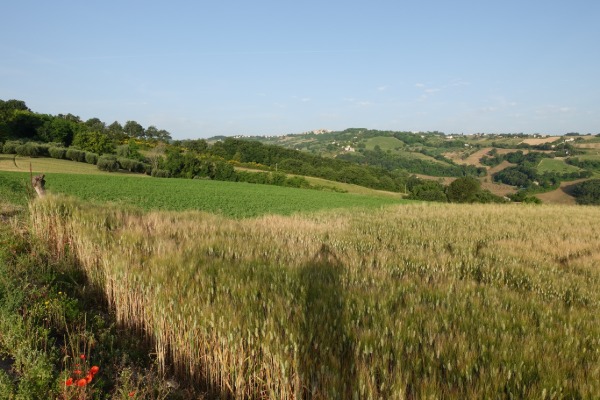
(412, 301)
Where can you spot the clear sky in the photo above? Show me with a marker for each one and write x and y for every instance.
(205, 68)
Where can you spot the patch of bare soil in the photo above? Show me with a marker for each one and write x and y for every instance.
(504, 164)
(561, 195)
(534, 142)
(587, 145)
(473, 159)
(444, 180)
(499, 189)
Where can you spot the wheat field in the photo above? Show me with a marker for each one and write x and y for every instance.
(404, 302)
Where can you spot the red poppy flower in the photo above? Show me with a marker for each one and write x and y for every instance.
(77, 372)
(94, 370)
(82, 382)
(69, 382)
(82, 356)
(89, 378)
(131, 394)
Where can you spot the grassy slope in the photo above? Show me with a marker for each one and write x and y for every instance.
(8, 162)
(227, 198)
(346, 187)
(555, 165)
(384, 142)
(397, 147)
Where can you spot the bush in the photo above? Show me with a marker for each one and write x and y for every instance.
(75, 155)
(428, 191)
(160, 173)
(297, 182)
(10, 147)
(57, 152)
(131, 165)
(91, 158)
(32, 149)
(278, 178)
(108, 163)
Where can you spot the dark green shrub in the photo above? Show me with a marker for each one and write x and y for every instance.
(463, 190)
(10, 147)
(108, 163)
(131, 165)
(160, 173)
(278, 178)
(91, 158)
(75, 154)
(31, 149)
(297, 182)
(57, 152)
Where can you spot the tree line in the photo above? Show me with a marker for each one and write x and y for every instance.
(18, 122)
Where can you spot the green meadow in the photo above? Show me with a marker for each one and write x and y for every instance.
(226, 198)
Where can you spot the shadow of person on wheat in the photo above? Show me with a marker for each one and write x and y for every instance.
(326, 347)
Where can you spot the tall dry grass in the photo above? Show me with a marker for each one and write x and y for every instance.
(413, 301)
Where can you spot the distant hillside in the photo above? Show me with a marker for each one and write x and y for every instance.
(537, 163)
(513, 165)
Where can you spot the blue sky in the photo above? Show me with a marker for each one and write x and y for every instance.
(205, 68)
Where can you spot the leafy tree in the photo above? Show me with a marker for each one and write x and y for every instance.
(115, 131)
(134, 130)
(463, 190)
(94, 124)
(93, 141)
(427, 191)
(58, 130)
(151, 133)
(23, 124)
(163, 135)
(587, 192)
(224, 171)
(198, 145)
(130, 150)
(8, 107)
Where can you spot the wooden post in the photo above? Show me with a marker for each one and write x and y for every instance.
(38, 183)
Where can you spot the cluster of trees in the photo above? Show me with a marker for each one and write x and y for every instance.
(391, 162)
(301, 163)
(462, 190)
(190, 164)
(18, 122)
(493, 158)
(526, 177)
(525, 174)
(587, 192)
(592, 165)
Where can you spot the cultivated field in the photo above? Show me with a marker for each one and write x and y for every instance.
(557, 165)
(535, 142)
(411, 301)
(232, 199)
(10, 162)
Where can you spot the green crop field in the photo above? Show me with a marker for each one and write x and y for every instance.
(385, 143)
(227, 198)
(555, 165)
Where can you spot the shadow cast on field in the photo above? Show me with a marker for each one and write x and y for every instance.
(326, 348)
